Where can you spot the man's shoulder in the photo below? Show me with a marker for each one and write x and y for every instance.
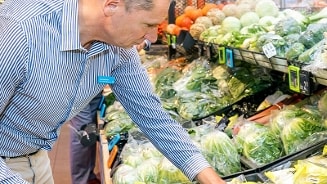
(27, 9)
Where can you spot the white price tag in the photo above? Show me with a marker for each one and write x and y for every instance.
(269, 50)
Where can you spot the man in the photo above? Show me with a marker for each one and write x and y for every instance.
(56, 56)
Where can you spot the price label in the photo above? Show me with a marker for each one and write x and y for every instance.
(168, 39)
(229, 58)
(269, 50)
(221, 55)
(294, 78)
(305, 82)
(207, 49)
(173, 42)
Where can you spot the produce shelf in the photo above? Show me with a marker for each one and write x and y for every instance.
(276, 63)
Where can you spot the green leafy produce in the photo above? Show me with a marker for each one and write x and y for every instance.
(249, 18)
(231, 24)
(247, 81)
(281, 118)
(297, 15)
(118, 122)
(294, 51)
(288, 26)
(300, 127)
(308, 55)
(277, 40)
(164, 80)
(148, 172)
(196, 105)
(169, 174)
(125, 174)
(221, 152)
(266, 8)
(317, 16)
(259, 143)
(291, 39)
(312, 35)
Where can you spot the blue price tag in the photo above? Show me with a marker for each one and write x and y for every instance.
(113, 142)
(103, 110)
(229, 58)
(105, 80)
(101, 102)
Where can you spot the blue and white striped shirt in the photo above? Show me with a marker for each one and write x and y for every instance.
(47, 77)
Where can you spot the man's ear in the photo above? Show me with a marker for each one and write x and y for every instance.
(110, 7)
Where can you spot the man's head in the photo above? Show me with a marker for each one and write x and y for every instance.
(122, 23)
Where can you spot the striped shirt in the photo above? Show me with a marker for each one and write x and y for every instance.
(47, 77)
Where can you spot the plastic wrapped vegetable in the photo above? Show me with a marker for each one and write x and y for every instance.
(169, 174)
(125, 174)
(311, 170)
(118, 126)
(297, 129)
(221, 152)
(148, 172)
(259, 143)
(294, 51)
(309, 55)
(312, 35)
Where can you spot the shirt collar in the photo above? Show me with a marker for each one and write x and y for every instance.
(70, 39)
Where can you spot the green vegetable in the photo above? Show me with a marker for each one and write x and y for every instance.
(169, 174)
(249, 18)
(300, 127)
(320, 15)
(266, 8)
(312, 35)
(294, 51)
(148, 172)
(125, 174)
(288, 26)
(163, 82)
(231, 24)
(259, 143)
(118, 121)
(276, 40)
(221, 152)
(298, 16)
(309, 55)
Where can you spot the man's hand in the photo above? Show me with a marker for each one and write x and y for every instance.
(209, 176)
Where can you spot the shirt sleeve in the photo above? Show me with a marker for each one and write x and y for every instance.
(13, 57)
(134, 90)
